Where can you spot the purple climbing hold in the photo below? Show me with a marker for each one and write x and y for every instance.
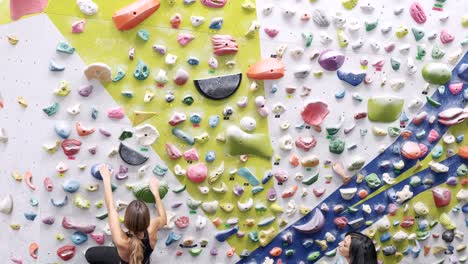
(85, 91)
(213, 252)
(452, 181)
(331, 60)
(314, 225)
(379, 208)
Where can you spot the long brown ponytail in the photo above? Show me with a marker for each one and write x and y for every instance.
(136, 250)
(137, 220)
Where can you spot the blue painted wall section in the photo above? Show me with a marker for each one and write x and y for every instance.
(447, 100)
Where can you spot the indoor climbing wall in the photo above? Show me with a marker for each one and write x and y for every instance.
(275, 127)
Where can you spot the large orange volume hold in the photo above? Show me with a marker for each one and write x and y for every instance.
(133, 14)
(266, 69)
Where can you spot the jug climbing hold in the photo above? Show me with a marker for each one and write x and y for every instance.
(146, 134)
(436, 73)
(98, 71)
(331, 60)
(66, 252)
(266, 69)
(417, 13)
(133, 14)
(220, 87)
(314, 225)
(79, 238)
(239, 142)
(214, 3)
(130, 156)
(442, 196)
(384, 109)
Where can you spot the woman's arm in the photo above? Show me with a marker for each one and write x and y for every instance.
(161, 220)
(117, 234)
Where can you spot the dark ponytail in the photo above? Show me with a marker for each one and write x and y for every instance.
(362, 249)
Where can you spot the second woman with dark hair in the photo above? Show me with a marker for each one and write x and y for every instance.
(357, 248)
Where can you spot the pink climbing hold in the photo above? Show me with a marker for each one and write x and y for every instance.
(281, 176)
(181, 77)
(19, 8)
(446, 37)
(314, 113)
(99, 238)
(182, 222)
(214, 3)
(413, 150)
(442, 196)
(433, 136)
(197, 173)
(417, 13)
(456, 88)
(116, 113)
(271, 32)
(191, 155)
(341, 222)
(172, 151)
(184, 39)
(78, 26)
(224, 45)
(306, 143)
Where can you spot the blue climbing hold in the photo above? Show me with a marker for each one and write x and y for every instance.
(30, 216)
(267, 177)
(216, 23)
(352, 78)
(95, 170)
(79, 238)
(385, 237)
(210, 156)
(213, 121)
(71, 186)
(172, 237)
(225, 234)
(194, 61)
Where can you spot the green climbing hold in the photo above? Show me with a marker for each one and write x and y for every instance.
(119, 76)
(125, 134)
(311, 180)
(437, 152)
(384, 108)
(239, 142)
(331, 253)
(65, 48)
(415, 181)
(308, 37)
(253, 236)
(142, 71)
(51, 110)
(143, 34)
(372, 180)
(462, 170)
(421, 52)
(394, 131)
(437, 53)
(313, 256)
(433, 102)
(418, 33)
(395, 64)
(142, 192)
(102, 216)
(370, 25)
(195, 251)
(160, 170)
(336, 146)
(179, 189)
(188, 100)
(436, 73)
(422, 235)
(290, 252)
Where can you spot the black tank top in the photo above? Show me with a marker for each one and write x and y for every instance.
(147, 250)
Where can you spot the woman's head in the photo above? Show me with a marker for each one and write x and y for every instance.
(358, 249)
(137, 218)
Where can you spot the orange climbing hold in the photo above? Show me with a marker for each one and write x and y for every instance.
(463, 152)
(266, 69)
(33, 248)
(276, 251)
(133, 14)
(231, 252)
(363, 193)
(294, 160)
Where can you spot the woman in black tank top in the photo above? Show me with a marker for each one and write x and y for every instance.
(134, 246)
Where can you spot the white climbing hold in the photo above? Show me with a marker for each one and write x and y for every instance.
(6, 204)
(404, 195)
(87, 7)
(3, 135)
(243, 207)
(286, 142)
(74, 110)
(348, 193)
(247, 123)
(438, 167)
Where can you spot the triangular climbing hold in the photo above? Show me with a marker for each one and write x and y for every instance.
(140, 116)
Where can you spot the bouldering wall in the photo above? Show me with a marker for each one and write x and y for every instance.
(365, 131)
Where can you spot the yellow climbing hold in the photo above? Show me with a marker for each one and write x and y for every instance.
(22, 101)
(349, 4)
(12, 39)
(140, 116)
